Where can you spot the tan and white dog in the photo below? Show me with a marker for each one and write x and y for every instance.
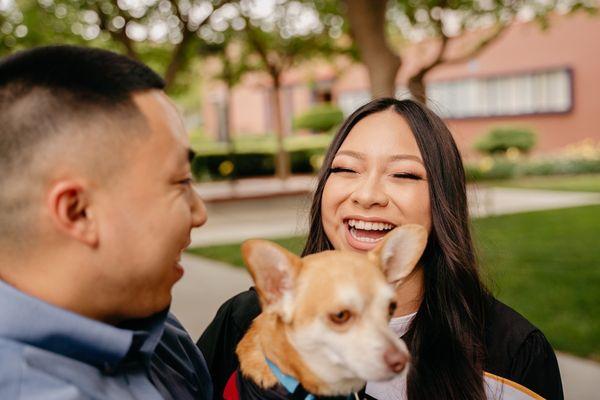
(325, 317)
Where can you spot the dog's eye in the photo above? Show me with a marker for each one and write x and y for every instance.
(341, 318)
(392, 308)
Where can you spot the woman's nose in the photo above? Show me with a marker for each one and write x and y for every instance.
(369, 193)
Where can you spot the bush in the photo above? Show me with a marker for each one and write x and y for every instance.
(320, 118)
(499, 140)
(246, 165)
(565, 166)
(491, 169)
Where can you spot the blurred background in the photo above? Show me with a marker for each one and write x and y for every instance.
(263, 85)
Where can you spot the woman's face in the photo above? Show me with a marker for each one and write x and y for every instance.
(377, 182)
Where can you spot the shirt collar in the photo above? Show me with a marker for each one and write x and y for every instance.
(31, 321)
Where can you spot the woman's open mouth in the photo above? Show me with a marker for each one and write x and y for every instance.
(364, 235)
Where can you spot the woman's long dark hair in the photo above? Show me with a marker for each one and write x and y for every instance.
(446, 337)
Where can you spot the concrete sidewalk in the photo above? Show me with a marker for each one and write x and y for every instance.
(280, 216)
(207, 284)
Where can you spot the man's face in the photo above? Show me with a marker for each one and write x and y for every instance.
(147, 213)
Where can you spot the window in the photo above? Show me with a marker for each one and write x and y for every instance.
(350, 100)
(531, 93)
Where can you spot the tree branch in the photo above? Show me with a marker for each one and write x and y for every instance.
(179, 51)
(120, 35)
(479, 47)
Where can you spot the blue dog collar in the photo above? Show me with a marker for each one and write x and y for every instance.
(290, 384)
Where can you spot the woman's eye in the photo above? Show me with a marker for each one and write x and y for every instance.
(340, 169)
(186, 181)
(406, 175)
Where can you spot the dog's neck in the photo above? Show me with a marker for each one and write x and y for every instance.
(267, 339)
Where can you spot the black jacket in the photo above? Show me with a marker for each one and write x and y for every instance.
(515, 349)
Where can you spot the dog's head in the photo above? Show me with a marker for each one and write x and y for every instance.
(336, 305)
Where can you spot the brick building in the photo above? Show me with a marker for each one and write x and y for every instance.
(546, 80)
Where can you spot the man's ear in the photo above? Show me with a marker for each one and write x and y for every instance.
(274, 271)
(69, 209)
(399, 251)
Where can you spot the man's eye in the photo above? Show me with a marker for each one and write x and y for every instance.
(406, 175)
(335, 170)
(186, 181)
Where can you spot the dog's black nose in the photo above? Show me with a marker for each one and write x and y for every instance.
(395, 359)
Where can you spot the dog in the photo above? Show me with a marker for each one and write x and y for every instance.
(323, 330)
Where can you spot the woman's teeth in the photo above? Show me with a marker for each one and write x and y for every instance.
(369, 226)
(368, 232)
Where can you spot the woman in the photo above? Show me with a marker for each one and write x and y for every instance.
(395, 162)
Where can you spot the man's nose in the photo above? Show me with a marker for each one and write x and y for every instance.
(369, 193)
(199, 216)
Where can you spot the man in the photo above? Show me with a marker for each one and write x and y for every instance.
(96, 206)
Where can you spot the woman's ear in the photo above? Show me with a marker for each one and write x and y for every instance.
(399, 251)
(68, 205)
(274, 271)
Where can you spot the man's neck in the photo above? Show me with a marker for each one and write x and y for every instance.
(55, 284)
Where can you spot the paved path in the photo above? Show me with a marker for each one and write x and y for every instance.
(271, 217)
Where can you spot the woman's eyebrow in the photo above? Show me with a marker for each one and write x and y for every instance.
(351, 153)
(400, 157)
(395, 157)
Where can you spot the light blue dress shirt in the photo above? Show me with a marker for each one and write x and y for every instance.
(50, 353)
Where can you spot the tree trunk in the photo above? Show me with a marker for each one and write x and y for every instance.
(177, 59)
(282, 161)
(367, 23)
(417, 88)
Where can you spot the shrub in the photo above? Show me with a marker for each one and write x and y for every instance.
(320, 118)
(491, 169)
(499, 140)
(246, 165)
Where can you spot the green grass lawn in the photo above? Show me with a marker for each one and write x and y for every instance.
(577, 183)
(544, 264)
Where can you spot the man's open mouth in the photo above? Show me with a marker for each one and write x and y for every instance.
(368, 231)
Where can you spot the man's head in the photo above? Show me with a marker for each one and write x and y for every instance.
(96, 203)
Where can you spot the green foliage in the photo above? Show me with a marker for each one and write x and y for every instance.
(245, 165)
(499, 140)
(255, 155)
(320, 118)
(572, 166)
(574, 183)
(203, 145)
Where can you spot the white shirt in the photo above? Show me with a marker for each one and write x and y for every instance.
(394, 389)
(496, 388)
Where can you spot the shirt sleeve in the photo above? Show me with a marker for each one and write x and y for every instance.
(220, 339)
(535, 367)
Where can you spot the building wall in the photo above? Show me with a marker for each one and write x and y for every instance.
(571, 45)
(571, 42)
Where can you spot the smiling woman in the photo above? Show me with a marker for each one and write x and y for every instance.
(395, 163)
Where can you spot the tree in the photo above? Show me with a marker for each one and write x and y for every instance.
(373, 22)
(163, 33)
(280, 37)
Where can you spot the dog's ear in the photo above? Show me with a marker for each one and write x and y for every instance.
(399, 251)
(274, 271)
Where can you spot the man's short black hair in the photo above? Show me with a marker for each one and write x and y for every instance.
(60, 97)
(94, 73)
